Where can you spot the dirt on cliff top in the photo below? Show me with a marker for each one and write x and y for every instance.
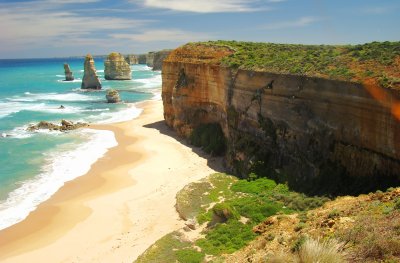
(367, 229)
(199, 53)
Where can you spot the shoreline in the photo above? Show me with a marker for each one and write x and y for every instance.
(120, 207)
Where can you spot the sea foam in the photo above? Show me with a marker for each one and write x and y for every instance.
(62, 166)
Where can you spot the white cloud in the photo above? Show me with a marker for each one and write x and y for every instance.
(169, 35)
(301, 22)
(43, 22)
(203, 6)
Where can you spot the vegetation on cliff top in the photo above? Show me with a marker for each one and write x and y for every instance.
(379, 61)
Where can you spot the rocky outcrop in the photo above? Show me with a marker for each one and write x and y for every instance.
(112, 96)
(131, 59)
(319, 135)
(159, 57)
(65, 126)
(116, 68)
(142, 59)
(90, 79)
(150, 59)
(68, 73)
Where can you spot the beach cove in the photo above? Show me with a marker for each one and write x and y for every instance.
(121, 206)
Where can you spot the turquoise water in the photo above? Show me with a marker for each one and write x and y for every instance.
(33, 165)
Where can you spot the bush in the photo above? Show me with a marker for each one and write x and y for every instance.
(226, 238)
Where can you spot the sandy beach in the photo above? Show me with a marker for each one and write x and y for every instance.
(121, 206)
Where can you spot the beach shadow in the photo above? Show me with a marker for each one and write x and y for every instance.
(216, 163)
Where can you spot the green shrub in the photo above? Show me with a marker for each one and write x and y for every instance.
(189, 256)
(253, 187)
(226, 238)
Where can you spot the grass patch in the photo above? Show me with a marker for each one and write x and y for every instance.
(221, 201)
(167, 249)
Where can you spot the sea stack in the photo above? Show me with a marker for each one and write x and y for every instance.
(68, 73)
(90, 79)
(112, 96)
(116, 67)
(131, 59)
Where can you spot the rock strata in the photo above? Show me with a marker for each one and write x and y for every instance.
(159, 57)
(90, 79)
(64, 126)
(68, 73)
(116, 67)
(112, 96)
(319, 135)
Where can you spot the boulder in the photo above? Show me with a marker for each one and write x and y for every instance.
(112, 96)
(65, 126)
(90, 79)
(116, 67)
(68, 73)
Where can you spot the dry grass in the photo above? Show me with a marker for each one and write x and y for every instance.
(328, 251)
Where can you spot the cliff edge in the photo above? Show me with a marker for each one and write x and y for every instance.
(324, 119)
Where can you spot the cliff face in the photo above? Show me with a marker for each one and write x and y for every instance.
(317, 134)
(159, 58)
(90, 79)
(116, 67)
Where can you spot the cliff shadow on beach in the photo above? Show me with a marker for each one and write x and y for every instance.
(214, 162)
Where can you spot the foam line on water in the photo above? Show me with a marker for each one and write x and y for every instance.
(62, 166)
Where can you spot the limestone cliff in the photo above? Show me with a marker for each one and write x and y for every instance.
(131, 59)
(116, 67)
(141, 59)
(319, 135)
(68, 73)
(90, 79)
(150, 58)
(159, 58)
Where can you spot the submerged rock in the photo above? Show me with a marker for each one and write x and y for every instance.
(112, 96)
(68, 73)
(65, 126)
(90, 79)
(116, 67)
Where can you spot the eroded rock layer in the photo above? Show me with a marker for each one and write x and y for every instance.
(116, 67)
(319, 135)
(90, 79)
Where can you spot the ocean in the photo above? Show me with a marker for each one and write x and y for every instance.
(34, 165)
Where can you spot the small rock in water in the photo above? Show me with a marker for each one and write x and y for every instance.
(62, 107)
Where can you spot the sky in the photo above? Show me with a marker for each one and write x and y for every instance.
(60, 28)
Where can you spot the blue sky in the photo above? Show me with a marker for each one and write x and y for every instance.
(56, 28)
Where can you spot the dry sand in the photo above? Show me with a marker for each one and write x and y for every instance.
(120, 207)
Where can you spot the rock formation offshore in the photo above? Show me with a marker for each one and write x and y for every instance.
(116, 67)
(317, 134)
(112, 96)
(68, 73)
(90, 79)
